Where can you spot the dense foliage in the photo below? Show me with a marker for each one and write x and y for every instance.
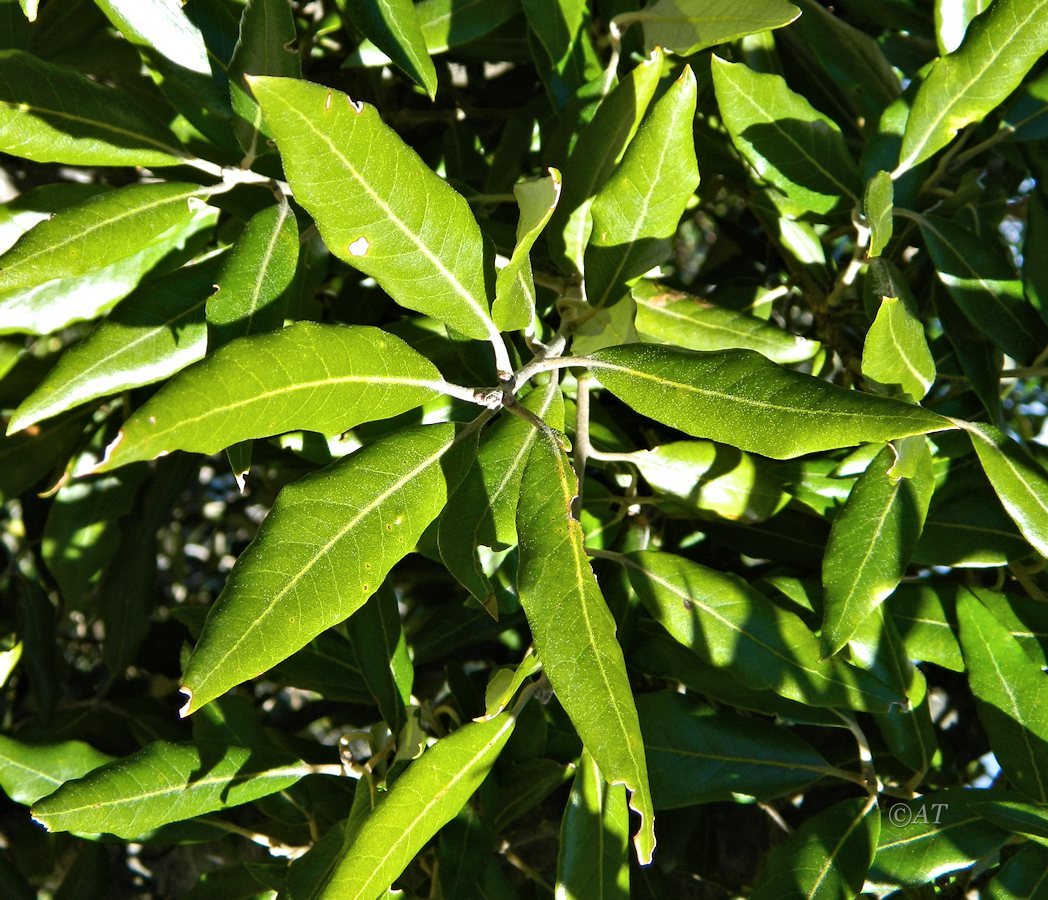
(450, 446)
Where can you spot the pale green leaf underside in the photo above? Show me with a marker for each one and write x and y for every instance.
(740, 398)
(378, 206)
(895, 353)
(31, 771)
(322, 551)
(324, 378)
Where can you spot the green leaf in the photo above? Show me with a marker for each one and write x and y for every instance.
(599, 147)
(31, 771)
(871, 540)
(164, 783)
(828, 856)
(482, 511)
(514, 305)
(574, 631)
(952, 18)
(965, 85)
(877, 203)
(594, 838)
(382, 655)
(984, 285)
(1020, 818)
(688, 26)
(740, 398)
(607, 326)
(932, 835)
(671, 317)
(394, 27)
(295, 580)
(785, 139)
(698, 756)
(895, 355)
(558, 24)
(1020, 482)
(397, 222)
(729, 624)
(49, 113)
(1023, 877)
(424, 799)
(267, 33)
(254, 276)
(713, 478)
(154, 333)
(80, 262)
(27, 457)
(1012, 697)
(636, 212)
(326, 378)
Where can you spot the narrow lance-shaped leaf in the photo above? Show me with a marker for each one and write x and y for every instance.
(1020, 482)
(877, 203)
(326, 378)
(165, 783)
(394, 27)
(827, 857)
(599, 146)
(871, 540)
(1012, 697)
(636, 212)
(154, 333)
(328, 543)
(381, 654)
(965, 85)
(688, 26)
(49, 113)
(694, 323)
(267, 33)
(424, 799)
(594, 838)
(514, 305)
(731, 625)
(786, 140)
(895, 355)
(698, 756)
(740, 398)
(980, 278)
(378, 206)
(254, 276)
(574, 631)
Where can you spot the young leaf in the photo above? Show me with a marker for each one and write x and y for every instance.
(157, 331)
(424, 799)
(1012, 695)
(574, 631)
(31, 771)
(786, 140)
(1020, 482)
(600, 145)
(394, 27)
(740, 398)
(254, 276)
(688, 26)
(295, 581)
(699, 756)
(326, 378)
(49, 113)
(397, 222)
(671, 317)
(877, 204)
(871, 540)
(514, 304)
(984, 285)
(594, 838)
(828, 856)
(267, 32)
(732, 626)
(895, 354)
(968, 83)
(165, 783)
(636, 212)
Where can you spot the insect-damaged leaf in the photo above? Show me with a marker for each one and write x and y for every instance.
(574, 631)
(378, 206)
(323, 550)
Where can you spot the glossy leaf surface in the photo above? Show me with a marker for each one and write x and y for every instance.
(31, 771)
(394, 27)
